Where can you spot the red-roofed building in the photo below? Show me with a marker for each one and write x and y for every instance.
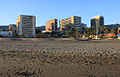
(107, 36)
(111, 34)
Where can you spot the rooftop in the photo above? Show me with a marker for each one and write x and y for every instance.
(96, 17)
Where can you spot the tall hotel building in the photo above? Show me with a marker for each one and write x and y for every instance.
(51, 25)
(96, 22)
(75, 20)
(26, 25)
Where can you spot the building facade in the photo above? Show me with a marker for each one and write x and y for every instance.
(96, 22)
(74, 20)
(111, 26)
(83, 27)
(51, 25)
(26, 25)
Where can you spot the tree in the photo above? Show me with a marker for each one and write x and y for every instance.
(102, 37)
(1, 36)
(104, 29)
(15, 34)
(22, 35)
(40, 35)
(87, 32)
(107, 30)
(114, 30)
(72, 31)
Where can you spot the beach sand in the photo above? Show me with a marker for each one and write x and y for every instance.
(50, 58)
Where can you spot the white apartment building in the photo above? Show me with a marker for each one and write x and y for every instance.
(26, 25)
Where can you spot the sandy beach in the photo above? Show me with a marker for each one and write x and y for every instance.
(58, 58)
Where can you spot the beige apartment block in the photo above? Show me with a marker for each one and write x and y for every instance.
(26, 25)
(51, 25)
(75, 20)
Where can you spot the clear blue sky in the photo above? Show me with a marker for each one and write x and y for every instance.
(49, 9)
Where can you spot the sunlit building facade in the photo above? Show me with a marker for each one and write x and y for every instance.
(74, 20)
(51, 25)
(96, 22)
(26, 25)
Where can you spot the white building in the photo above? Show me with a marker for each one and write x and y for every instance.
(26, 25)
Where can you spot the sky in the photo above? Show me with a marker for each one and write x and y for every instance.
(50, 9)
